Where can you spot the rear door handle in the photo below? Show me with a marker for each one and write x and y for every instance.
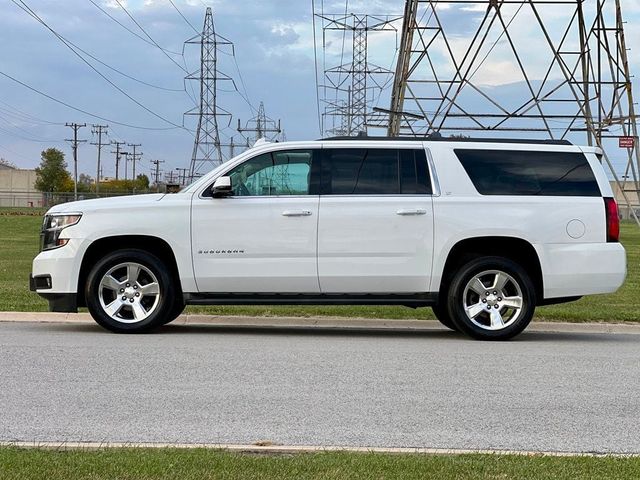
(415, 211)
(296, 213)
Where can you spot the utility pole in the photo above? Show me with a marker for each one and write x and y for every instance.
(126, 164)
(157, 172)
(134, 157)
(182, 175)
(99, 130)
(74, 146)
(118, 152)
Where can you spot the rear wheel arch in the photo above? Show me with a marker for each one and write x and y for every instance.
(516, 249)
(106, 245)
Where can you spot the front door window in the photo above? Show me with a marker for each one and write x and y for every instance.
(273, 174)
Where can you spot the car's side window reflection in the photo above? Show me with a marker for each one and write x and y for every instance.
(271, 174)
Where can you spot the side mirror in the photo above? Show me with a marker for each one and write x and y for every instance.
(221, 187)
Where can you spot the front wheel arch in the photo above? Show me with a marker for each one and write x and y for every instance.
(106, 245)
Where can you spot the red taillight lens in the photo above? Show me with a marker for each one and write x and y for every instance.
(613, 220)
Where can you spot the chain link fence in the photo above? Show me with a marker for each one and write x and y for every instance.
(31, 199)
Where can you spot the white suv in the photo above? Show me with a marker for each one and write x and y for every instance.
(481, 231)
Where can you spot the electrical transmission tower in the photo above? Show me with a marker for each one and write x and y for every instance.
(350, 88)
(260, 126)
(207, 150)
(548, 68)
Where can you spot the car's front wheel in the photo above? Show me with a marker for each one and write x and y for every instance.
(491, 298)
(130, 291)
(441, 313)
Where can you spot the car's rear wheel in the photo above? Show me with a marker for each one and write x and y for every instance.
(491, 298)
(130, 291)
(441, 313)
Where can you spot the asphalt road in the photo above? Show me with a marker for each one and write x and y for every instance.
(187, 384)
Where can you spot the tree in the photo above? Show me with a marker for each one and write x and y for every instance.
(142, 182)
(52, 174)
(85, 183)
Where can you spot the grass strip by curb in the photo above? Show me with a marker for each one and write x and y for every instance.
(146, 464)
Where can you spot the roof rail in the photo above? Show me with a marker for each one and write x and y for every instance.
(434, 138)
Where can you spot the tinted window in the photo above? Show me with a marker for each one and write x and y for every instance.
(502, 172)
(277, 173)
(355, 171)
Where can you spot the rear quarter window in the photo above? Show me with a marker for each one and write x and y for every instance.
(513, 172)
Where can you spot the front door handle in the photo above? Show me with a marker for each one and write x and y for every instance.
(296, 213)
(415, 211)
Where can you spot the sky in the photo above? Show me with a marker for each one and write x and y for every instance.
(274, 63)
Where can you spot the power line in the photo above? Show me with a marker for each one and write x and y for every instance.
(99, 117)
(30, 137)
(68, 45)
(110, 67)
(131, 31)
(24, 116)
(149, 36)
(183, 17)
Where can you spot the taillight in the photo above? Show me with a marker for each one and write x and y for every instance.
(613, 220)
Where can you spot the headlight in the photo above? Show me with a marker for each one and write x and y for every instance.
(52, 226)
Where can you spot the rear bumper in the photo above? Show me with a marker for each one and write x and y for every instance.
(582, 269)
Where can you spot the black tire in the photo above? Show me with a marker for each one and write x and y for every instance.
(178, 308)
(441, 313)
(481, 326)
(157, 313)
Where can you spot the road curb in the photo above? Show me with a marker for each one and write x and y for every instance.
(300, 449)
(338, 323)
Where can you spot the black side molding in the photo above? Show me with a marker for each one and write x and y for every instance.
(410, 300)
(556, 301)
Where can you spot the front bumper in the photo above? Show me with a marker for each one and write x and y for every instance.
(58, 302)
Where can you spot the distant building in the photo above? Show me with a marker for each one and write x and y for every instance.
(17, 188)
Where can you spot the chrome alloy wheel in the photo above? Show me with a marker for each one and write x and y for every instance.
(129, 292)
(492, 300)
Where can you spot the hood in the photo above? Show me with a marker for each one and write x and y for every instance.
(125, 201)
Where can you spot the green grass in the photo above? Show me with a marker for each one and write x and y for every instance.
(19, 243)
(19, 240)
(201, 464)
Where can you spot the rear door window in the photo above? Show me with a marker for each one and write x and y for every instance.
(511, 172)
(355, 171)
